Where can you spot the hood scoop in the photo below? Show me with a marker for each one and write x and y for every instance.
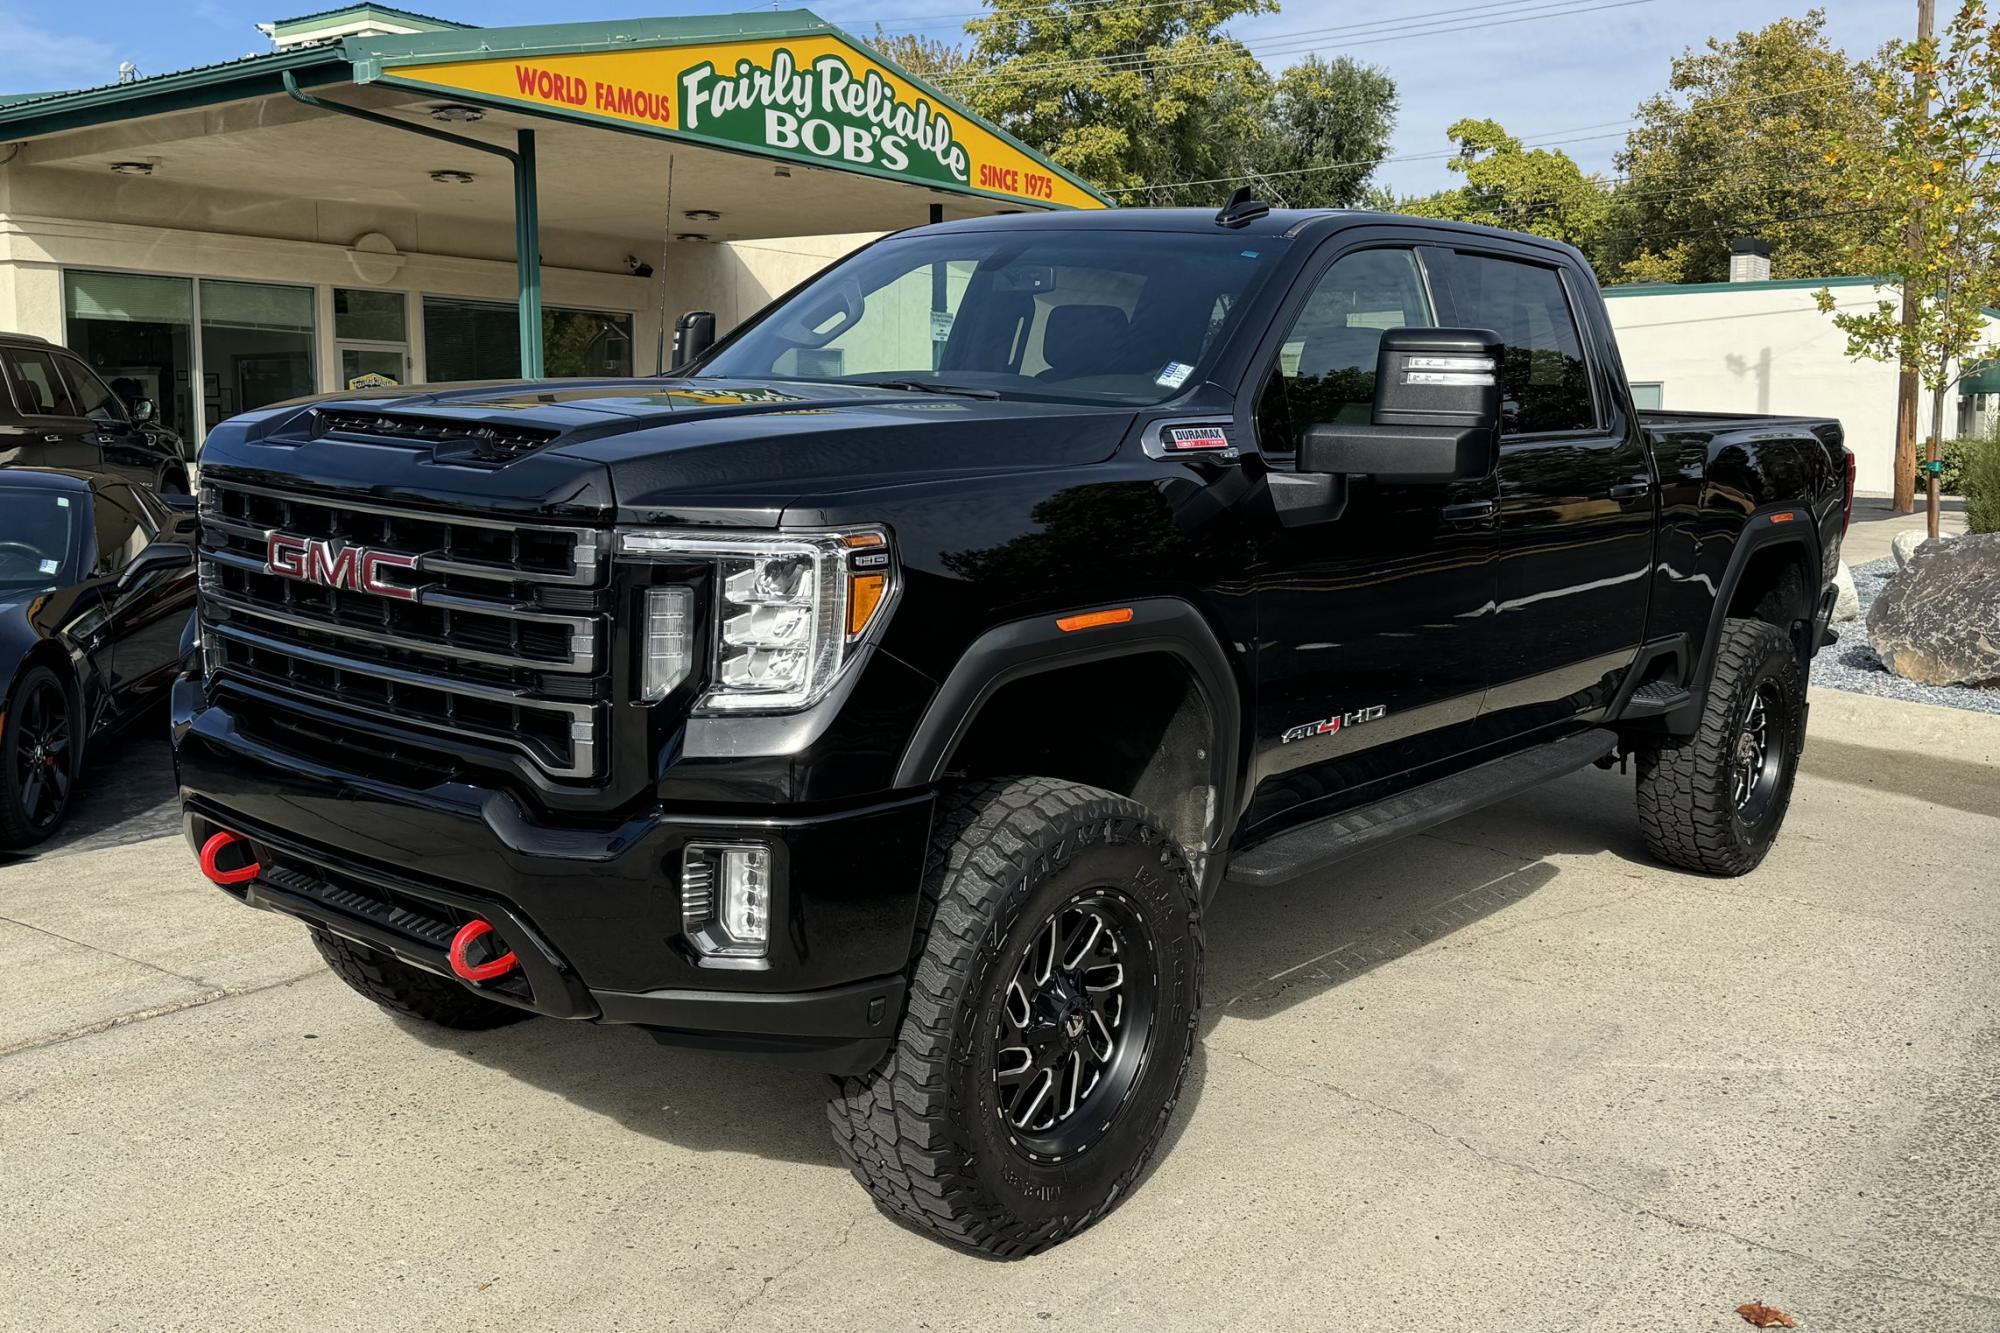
(450, 440)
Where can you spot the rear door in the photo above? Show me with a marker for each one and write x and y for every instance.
(52, 430)
(1576, 495)
(1371, 596)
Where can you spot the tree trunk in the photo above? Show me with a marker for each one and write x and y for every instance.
(1931, 453)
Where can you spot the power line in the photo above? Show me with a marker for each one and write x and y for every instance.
(1135, 61)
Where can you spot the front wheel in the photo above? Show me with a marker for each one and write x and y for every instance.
(1052, 1014)
(1713, 802)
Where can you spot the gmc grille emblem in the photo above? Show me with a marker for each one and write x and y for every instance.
(334, 563)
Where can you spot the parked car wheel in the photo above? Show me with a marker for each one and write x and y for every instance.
(1051, 1017)
(40, 751)
(1713, 802)
(411, 991)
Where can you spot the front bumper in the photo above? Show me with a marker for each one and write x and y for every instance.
(593, 913)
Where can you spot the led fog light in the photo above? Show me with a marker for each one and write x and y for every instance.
(669, 641)
(726, 898)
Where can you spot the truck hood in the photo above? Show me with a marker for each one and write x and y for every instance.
(655, 450)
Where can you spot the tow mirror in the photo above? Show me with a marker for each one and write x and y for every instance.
(156, 557)
(694, 333)
(142, 411)
(1436, 414)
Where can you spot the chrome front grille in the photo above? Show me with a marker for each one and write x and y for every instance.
(494, 632)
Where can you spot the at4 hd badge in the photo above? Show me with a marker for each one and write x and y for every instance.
(1326, 726)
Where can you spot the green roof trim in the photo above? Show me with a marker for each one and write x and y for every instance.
(387, 13)
(1768, 285)
(158, 94)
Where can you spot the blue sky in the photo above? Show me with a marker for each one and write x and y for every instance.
(1575, 76)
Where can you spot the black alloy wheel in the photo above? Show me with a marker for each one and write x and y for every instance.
(1759, 756)
(40, 753)
(1075, 1025)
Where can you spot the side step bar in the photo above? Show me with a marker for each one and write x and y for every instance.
(1323, 842)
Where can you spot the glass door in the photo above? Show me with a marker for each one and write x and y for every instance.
(371, 335)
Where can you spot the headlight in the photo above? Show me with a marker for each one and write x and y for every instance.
(790, 609)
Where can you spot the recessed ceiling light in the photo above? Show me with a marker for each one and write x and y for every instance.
(452, 177)
(133, 168)
(782, 173)
(691, 236)
(702, 215)
(456, 113)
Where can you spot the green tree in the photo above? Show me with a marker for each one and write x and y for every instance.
(1733, 147)
(1328, 126)
(934, 61)
(1929, 188)
(1536, 190)
(1125, 95)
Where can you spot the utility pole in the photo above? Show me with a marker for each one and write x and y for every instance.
(1905, 498)
(1925, 16)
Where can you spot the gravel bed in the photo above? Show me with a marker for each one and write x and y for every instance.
(1852, 665)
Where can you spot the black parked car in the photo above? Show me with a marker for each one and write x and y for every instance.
(96, 583)
(57, 412)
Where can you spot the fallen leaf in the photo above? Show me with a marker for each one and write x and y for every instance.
(1766, 1316)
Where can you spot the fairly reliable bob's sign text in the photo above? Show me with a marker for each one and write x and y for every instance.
(812, 97)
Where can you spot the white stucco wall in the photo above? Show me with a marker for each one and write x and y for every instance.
(1765, 347)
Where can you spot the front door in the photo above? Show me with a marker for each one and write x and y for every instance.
(1576, 500)
(1372, 602)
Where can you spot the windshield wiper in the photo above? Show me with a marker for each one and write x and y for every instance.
(925, 386)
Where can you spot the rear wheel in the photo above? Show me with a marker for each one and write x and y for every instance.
(1051, 1018)
(397, 986)
(39, 751)
(1713, 802)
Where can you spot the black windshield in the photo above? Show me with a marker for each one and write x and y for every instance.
(1110, 315)
(38, 532)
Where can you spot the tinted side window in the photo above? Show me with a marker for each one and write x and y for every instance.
(1326, 365)
(1544, 385)
(120, 533)
(38, 389)
(98, 403)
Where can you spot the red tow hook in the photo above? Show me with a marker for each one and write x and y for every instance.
(465, 967)
(211, 859)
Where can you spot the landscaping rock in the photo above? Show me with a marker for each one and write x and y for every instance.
(1905, 545)
(1846, 602)
(1938, 619)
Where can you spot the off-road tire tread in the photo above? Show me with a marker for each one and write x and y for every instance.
(411, 991)
(1686, 807)
(892, 1124)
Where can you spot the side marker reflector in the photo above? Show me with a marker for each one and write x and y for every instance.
(1783, 517)
(211, 860)
(1093, 619)
(463, 965)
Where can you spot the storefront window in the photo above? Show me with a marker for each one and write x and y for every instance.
(478, 340)
(256, 346)
(368, 316)
(135, 330)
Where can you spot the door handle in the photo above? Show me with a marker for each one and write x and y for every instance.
(1471, 511)
(52, 439)
(1630, 490)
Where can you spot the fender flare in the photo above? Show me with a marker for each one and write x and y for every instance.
(1036, 645)
(1764, 530)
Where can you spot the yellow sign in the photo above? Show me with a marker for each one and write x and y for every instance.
(811, 98)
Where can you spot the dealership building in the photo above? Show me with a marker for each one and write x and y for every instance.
(1758, 345)
(384, 197)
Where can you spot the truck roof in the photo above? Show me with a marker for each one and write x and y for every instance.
(1283, 222)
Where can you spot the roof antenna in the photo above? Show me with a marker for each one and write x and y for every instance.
(1241, 209)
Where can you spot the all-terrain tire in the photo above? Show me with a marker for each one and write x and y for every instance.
(1691, 808)
(928, 1131)
(397, 986)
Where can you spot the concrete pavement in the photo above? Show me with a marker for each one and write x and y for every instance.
(1508, 1076)
(1875, 526)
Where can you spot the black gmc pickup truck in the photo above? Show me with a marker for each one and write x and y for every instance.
(891, 689)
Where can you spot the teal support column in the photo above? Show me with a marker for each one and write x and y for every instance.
(528, 255)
